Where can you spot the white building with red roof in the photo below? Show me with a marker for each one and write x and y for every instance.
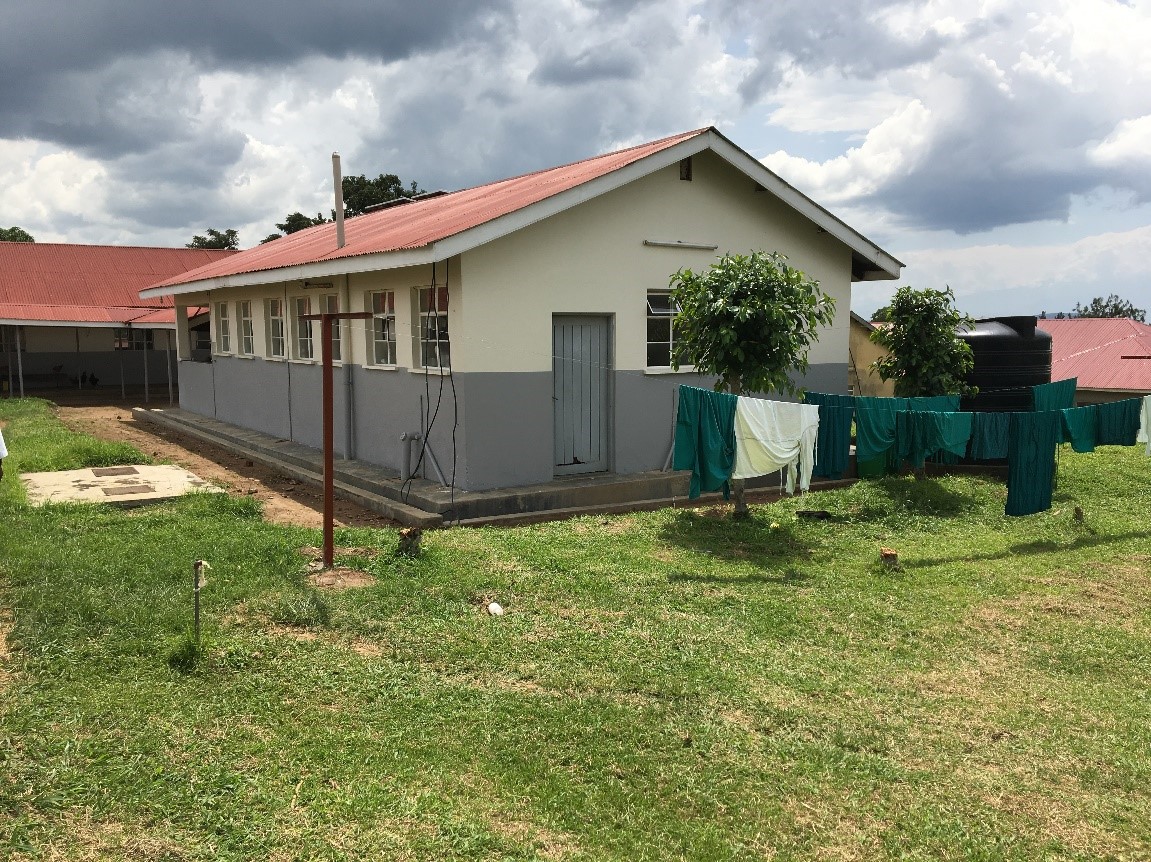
(71, 313)
(526, 321)
(1110, 356)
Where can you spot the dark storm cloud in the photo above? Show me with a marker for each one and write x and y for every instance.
(600, 63)
(81, 73)
(849, 36)
(999, 156)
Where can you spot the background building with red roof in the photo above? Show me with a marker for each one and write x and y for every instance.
(523, 327)
(70, 313)
(1111, 357)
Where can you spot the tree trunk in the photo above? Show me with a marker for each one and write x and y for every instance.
(737, 494)
(738, 490)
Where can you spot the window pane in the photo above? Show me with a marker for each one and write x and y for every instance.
(659, 303)
(658, 355)
(659, 329)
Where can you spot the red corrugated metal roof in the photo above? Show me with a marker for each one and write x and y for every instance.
(90, 283)
(1104, 353)
(421, 223)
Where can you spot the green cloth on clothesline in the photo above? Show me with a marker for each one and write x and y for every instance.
(875, 435)
(705, 438)
(988, 436)
(1081, 427)
(934, 404)
(1119, 422)
(833, 449)
(1059, 395)
(921, 434)
(1032, 438)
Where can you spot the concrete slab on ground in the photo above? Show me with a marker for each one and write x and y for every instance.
(128, 485)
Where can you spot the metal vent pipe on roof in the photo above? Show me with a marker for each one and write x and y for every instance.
(338, 182)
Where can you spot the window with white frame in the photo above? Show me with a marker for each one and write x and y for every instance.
(223, 328)
(383, 327)
(277, 336)
(302, 329)
(331, 305)
(661, 312)
(247, 328)
(127, 338)
(433, 327)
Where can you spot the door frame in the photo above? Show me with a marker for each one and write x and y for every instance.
(608, 397)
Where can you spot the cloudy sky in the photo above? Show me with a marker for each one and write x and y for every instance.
(1000, 147)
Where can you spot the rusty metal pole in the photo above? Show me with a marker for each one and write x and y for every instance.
(328, 394)
(329, 445)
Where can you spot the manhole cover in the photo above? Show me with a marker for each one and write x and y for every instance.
(115, 471)
(123, 490)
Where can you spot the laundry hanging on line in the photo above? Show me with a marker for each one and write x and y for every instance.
(705, 439)
(775, 435)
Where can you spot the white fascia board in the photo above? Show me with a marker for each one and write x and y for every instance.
(302, 271)
(73, 324)
(805, 206)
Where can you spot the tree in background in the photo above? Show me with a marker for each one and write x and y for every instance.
(1112, 306)
(229, 239)
(293, 223)
(360, 193)
(926, 357)
(15, 234)
(749, 320)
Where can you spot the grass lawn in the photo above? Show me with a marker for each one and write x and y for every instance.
(665, 685)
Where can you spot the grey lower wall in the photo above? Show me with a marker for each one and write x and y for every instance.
(504, 437)
(196, 392)
(254, 394)
(388, 403)
(509, 429)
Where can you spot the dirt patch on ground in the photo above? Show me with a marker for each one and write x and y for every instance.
(340, 578)
(285, 500)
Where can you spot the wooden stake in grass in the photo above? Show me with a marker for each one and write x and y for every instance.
(197, 582)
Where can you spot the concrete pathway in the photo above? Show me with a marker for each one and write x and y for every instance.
(131, 485)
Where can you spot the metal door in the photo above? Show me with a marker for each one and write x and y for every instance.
(580, 381)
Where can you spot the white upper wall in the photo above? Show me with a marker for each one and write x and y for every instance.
(591, 259)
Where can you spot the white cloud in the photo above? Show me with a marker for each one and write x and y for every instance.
(892, 148)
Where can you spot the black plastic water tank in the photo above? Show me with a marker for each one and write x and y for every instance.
(1011, 355)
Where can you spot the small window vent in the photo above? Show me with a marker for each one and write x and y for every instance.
(685, 169)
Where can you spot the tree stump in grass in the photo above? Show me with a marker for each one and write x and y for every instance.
(410, 541)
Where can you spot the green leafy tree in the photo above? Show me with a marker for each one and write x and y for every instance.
(749, 320)
(293, 223)
(229, 239)
(360, 193)
(15, 234)
(882, 314)
(1112, 306)
(926, 357)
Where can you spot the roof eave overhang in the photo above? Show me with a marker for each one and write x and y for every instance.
(869, 261)
(85, 324)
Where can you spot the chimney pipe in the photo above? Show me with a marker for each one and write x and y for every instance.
(338, 182)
